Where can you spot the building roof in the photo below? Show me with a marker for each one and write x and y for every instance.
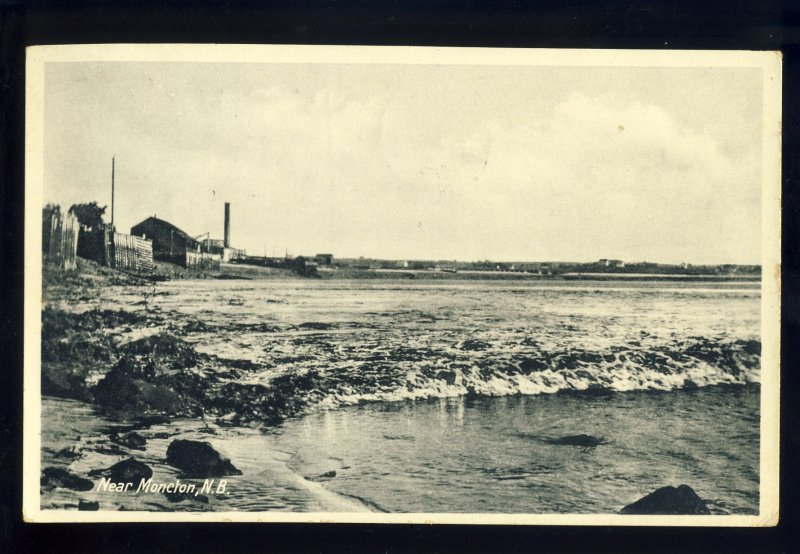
(169, 226)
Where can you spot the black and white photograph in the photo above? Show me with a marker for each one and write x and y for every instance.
(402, 284)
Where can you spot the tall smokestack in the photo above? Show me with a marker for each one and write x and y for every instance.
(227, 241)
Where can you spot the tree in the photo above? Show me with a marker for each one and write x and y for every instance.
(89, 215)
(49, 210)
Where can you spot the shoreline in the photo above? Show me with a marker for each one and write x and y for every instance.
(267, 473)
(91, 273)
(167, 489)
(138, 372)
(344, 273)
(425, 275)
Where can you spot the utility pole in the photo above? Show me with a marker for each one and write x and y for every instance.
(112, 192)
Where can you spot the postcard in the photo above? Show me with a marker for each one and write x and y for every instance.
(402, 284)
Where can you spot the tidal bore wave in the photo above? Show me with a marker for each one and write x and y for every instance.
(282, 351)
(412, 374)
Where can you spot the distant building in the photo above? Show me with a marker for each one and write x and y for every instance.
(611, 263)
(169, 242)
(223, 247)
(305, 266)
(229, 254)
(324, 259)
(208, 244)
(216, 246)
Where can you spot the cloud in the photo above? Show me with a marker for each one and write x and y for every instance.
(443, 167)
(633, 177)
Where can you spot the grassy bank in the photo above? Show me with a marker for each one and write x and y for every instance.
(226, 271)
(83, 284)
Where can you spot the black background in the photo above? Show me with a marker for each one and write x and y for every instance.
(732, 24)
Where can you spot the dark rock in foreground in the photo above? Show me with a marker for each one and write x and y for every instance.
(130, 440)
(69, 452)
(316, 325)
(88, 506)
(327, 475)
(577, 440)
(122, 393)
(668, 501)
(110, 450)
(199, 459)
(474, 345)
(147, 421)
(126, 471)
(60, 477)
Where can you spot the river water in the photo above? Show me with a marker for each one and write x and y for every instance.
(449, 396)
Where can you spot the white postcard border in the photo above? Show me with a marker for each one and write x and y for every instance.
(769, 62)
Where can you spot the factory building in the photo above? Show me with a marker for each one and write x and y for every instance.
(169, 242)
(173, 245)
(223, 247)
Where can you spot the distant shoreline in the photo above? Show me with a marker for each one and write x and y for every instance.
(234, 271)
(430, 275)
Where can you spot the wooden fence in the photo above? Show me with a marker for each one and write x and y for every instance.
(132, 253)
(60, 239)
(93, 244)
(117, 250)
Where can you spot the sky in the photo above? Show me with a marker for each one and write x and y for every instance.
(508, 163)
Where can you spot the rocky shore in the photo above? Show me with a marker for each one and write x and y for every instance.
(137, 363)
(134, 368)
(122, 466)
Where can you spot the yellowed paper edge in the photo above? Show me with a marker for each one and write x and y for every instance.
(769, 62)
